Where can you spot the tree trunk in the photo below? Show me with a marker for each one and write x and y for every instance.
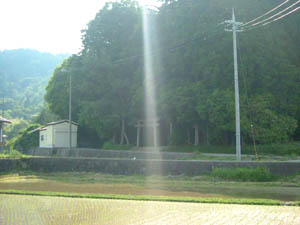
(188, 137)
(170, 132)
(207, 134)
(171, 129)
(126, 138)
(138, 134)
(114, 138)
(122, 133)
(196, 127)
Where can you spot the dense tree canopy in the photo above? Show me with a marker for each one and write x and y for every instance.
(193, 68)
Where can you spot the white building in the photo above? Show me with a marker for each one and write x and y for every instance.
(56, 135)
(2, 139)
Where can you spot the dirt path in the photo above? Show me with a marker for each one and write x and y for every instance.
(37, 210)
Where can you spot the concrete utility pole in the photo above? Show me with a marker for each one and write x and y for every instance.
(234, 30)
(70, 111)
(70, 106)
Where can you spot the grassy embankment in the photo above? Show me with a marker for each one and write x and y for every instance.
(278, 149)
(266, 152)
(218, 187)
(12, 154)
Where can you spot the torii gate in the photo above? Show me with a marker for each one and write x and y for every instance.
(147, 123)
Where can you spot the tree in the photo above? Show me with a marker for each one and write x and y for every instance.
(193, 67)
(26, 139)
(104, 89)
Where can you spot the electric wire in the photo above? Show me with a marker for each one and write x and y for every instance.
(203, 37)
(262, 23)
(294, 10)
(272, 10)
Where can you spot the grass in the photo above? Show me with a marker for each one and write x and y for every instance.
(216, 175)
(12, 154)
(110, 146)
(258, 174)
(153, 198)
(201, 156)
(284, 189)
(285, 149)
(268, 158)
(237, 176)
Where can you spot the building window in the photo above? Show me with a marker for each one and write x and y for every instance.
(42, 137)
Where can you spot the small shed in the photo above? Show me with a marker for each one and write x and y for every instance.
(2, 122)
(57, 135)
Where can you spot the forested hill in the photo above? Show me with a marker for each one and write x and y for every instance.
(24, 74)
(193, 69)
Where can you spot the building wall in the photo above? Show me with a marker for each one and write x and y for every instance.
(46, 137)
(61, 135)
(57, 136)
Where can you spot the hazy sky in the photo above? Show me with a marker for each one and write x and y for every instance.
(46, 25)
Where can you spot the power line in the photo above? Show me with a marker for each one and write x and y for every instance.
(272, 10)
(294, 10)
(204, 37)
(271, 17)
(261, 25)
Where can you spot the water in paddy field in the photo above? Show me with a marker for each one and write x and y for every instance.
(151, 120)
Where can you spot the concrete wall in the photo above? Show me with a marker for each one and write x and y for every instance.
(98, 153)
(8, 165)
(145, 167)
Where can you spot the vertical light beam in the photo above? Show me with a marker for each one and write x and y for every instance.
(149, 83)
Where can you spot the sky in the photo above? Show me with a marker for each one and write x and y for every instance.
(46, 25)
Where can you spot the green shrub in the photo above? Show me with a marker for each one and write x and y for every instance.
(110, 146)
(25, 140)
(200, 149)
(258, 174)
(292, 148)
(11, 154)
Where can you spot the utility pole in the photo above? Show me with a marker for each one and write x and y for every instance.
(70, 111)
(234, 30)
(70, 106)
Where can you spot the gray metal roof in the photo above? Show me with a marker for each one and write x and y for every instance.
(61, 121)
(3, 120)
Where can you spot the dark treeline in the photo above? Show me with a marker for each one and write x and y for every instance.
(193, 69)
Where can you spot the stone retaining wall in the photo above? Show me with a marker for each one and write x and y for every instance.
(145, 167)
(100, 153)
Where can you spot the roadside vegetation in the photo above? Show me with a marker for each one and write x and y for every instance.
(281, 149)
(221, 184)
(286, 151)
(12, 154)
(258, 174)
(155, 198)
(110, 146)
